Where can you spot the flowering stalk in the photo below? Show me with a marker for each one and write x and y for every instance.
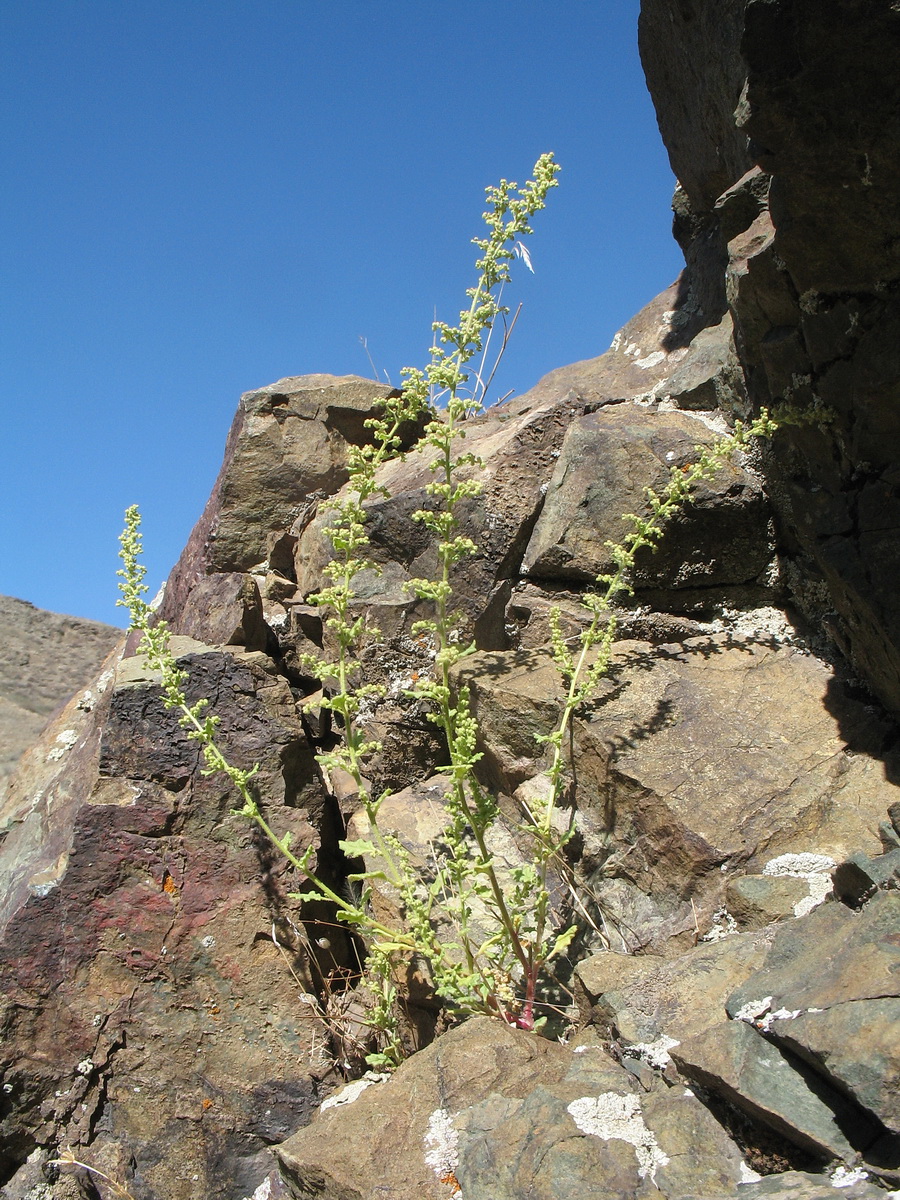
(582, 673)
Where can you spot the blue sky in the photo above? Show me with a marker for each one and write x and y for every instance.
(203, 196)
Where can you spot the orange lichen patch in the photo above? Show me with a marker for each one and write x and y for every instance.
(169, 885)
(206, 1103)
(454, 1183)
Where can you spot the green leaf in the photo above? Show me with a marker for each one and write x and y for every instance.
(362, 876)
(562, 943)
(357, 849)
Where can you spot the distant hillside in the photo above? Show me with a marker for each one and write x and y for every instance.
(44, 658)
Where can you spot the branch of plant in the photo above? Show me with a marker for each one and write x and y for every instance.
(597, 640)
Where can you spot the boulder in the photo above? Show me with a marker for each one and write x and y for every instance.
(860, 876)
(696, 95)
(497, 1112)
(654, 1002)
(787, 213)
(755, 901)
(699, 760)
(667, 352)
(736, 1062)
(518, 444)
(287, 448)
(226, 609)
(608, 460)
(802, 1185)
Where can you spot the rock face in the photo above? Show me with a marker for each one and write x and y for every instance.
(44, 657)
(728, 1007)
(787, 212)
(148, 1003)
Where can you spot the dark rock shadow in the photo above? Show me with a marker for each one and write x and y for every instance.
(864, 724)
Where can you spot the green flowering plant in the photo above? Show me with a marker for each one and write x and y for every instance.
(505, 934)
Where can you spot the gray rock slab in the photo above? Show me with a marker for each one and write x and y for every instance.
(735, 1061)
(757, 900)
(802, 1185)
(856, 1046)
(829, 990)
(861, 875)
(832, 956)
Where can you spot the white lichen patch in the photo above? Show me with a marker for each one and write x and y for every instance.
(753, 1010)
(800, 865)
(723, 926)
(764, 621)
(714, 421)
(65, 741)
(442, 1144)
(652, 360)
(655, 1054)
(613, 1116)
(844, 1177)
(780, 1014)
(814, 868)
(761, 1015)
(353, 1090)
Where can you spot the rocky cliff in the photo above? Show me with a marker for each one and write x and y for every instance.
(728, 1013)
